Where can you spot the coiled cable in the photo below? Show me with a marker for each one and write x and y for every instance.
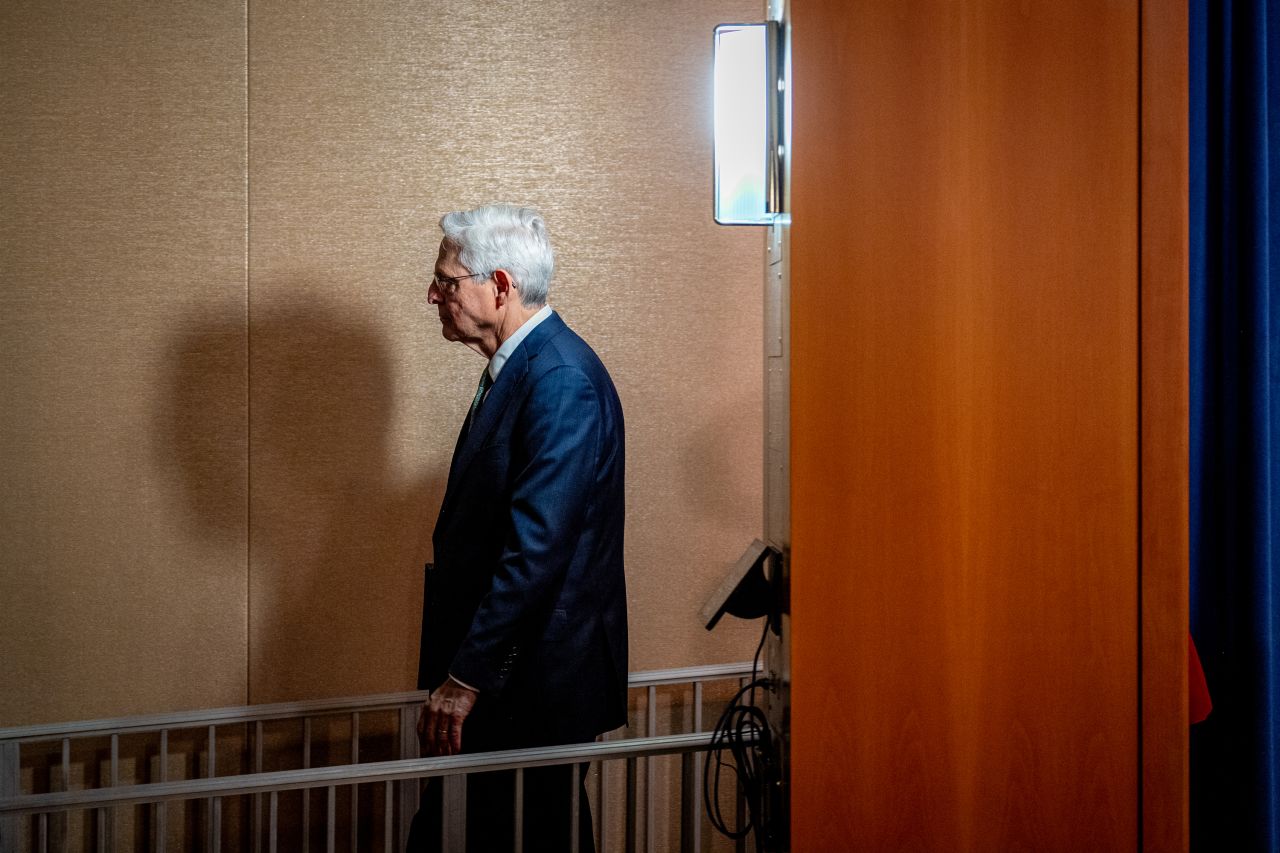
(742, 734)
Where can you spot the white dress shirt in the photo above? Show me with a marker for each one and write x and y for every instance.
(509, 345)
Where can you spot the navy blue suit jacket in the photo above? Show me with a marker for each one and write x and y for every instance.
(526, 600)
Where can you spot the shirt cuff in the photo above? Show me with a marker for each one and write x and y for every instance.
(462, 683)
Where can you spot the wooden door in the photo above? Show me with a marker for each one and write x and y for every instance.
(988, 407)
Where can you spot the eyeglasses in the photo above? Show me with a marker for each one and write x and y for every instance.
(449, 283)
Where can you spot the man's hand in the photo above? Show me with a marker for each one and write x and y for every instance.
(440, 721)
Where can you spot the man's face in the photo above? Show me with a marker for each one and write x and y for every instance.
(467, 307)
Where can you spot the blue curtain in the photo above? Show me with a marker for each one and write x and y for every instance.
(1235, 418)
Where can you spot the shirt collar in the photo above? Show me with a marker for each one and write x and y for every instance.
(509, 345)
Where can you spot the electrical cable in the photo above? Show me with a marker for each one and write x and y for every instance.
(743, 732)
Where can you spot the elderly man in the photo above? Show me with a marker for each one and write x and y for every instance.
(524, 636)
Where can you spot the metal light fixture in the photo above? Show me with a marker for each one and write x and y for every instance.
(750, 101)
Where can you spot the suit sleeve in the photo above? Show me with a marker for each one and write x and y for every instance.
(560, 429)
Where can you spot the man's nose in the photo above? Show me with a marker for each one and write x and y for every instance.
(433, 295)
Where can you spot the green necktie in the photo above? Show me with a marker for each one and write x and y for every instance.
(485, 383)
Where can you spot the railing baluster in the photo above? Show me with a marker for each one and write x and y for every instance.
(573, 808)
(42, 831)
(697, 706)
(257, 798)
(410, 789)
(306, 818)
(306, 793)
(355, 789)
(650, 796)
(273, 814)
(215, 843)
(453, 825)
(115, 782)
(517, 842)
(631, 806)
(330, 822)
(697, 777)
(401, 790)
(387, 801)
(161, 812)
(602, 798)
(690, 824)
(355, 814)
(162, 808)
(62, 824)
(740, 846)
(197, 788)
(190, 720)
(212, 803)
(10, 786)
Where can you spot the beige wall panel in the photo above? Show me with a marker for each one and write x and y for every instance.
(122, 434)
(367, 122)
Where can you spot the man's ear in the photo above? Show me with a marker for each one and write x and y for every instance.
(506, 285)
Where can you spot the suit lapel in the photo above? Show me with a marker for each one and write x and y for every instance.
(486, 417)
(504, 390)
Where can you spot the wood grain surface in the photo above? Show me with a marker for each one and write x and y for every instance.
(966, 426)
(1165, 427)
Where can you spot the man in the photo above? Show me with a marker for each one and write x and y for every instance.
(524, 636)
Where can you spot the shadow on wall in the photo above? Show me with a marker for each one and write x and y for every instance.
(336, 536)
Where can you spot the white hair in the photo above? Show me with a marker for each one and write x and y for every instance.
(508, 237)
